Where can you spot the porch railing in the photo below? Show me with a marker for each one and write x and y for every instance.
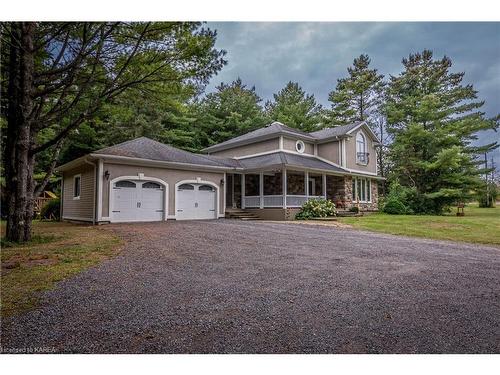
(299, 200)
(277, 200)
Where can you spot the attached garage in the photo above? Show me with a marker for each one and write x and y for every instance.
(137, 201)
(195, 201)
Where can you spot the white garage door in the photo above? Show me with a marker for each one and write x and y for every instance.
(137, 201)
(195, 201)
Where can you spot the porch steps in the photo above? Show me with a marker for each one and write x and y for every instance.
(240, 214)
(346, 213)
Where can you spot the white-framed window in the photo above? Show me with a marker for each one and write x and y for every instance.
(77, 186)
(361, 189)
(300, 146)
(361, 154)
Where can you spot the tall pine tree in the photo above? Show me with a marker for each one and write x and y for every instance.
(293, 107)
(358, 96)
(434, 119)
(233, 109)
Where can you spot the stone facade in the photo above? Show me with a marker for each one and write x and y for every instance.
(339, 190)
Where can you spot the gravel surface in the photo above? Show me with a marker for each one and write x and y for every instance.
(256, 287)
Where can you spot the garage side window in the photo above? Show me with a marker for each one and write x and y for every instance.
(125, 184)
(151, 185)
(206, 188)
(77, 180)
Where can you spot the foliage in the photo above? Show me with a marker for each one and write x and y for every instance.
(316, 208)
(56, 251)
(479, 225)
(293, 107)
(358, 96)
(232, 110)
(51, 210)
(487, 195)
(394, 206)
(354, 209)
(433, 119)
(58, 76)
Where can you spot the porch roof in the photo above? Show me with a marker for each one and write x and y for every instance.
(288, 160)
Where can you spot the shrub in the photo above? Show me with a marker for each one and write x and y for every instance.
(394, 206)
(51, 210)
(354, 209)
(316, 208)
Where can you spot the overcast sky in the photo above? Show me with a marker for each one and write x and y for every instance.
(315, 55)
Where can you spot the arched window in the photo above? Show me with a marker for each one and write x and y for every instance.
(361, 154)
(186, 187)
(151, 185)
(206, 188)
(125, 184)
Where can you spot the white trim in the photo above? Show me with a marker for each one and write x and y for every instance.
(315, 149)
(224, 196)
(202, 182)
(344, 154)
(77, 197)
(243, 191)
(324, 185)
(302, 144)
(172, 217)
(261, 189)
(284, 187)
(139, 177)
(105, 218)
(220, 147)
(76, 218)
(99, 181)
(368, 187)
(281, 143)
(365, 125)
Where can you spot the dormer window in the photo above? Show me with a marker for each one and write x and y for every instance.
(361, 154)
(300, 146)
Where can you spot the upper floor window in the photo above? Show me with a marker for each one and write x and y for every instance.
(361, 154)
(300, 146)
(77, 181)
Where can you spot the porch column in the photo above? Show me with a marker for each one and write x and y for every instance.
(261, 189)
(324, 185)
(283, 189)
(243, 191)
(306, 179)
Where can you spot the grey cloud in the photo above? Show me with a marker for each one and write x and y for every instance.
(268, 55)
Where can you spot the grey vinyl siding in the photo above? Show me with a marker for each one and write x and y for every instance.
(329, 151)
(82, 208)
(251, 149)
(289, 145)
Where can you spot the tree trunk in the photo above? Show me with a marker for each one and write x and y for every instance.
(18, 161)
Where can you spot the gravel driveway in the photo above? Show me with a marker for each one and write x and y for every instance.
(256, 287)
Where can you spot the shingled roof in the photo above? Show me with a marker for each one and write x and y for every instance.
(145, 148)
(273, 128)
(336, 131)
(277, 128)
(291, 160)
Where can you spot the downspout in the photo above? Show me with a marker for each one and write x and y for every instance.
(94, 190)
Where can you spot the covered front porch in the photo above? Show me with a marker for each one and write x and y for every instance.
(284, 188)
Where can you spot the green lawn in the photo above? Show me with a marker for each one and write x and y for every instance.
(57, 251)
(479, 225)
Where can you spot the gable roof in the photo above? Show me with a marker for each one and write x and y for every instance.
(336, 131)
(146, 148)
(275, 128)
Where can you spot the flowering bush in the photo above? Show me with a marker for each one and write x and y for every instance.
(317, 208)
